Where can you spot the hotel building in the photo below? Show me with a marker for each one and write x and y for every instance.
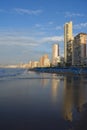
(68, 36)
(55, 53)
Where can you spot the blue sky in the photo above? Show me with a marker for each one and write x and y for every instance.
(28, 28)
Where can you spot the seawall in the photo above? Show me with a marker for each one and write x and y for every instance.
(62, 70)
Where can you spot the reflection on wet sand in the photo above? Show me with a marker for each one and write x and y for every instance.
(68, 99)
(74, 96)
(81, 124)
(44, 81)
(55, 85)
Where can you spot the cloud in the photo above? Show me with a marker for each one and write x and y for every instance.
(17, 40)
(27, 11)
(80, 26)
(23, 46)
(38, 25)
(59, 28)
(51, 22)
(26, 39)
(69, 14)
(21, 11)
(53, 39)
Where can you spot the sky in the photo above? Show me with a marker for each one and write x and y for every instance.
(29, 28)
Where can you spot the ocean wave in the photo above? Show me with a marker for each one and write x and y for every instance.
(23, 74)
(10, 73)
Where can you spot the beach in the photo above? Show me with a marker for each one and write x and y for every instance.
(31, 100)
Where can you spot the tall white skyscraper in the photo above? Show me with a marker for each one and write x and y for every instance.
(67, 37)
(55, 53)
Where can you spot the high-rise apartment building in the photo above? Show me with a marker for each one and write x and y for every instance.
(80, 49)
(55, 53)
(44, 61)
(69, 52)
(67, 37)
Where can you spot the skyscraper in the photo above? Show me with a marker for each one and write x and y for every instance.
(80, 49)
(55, 53)
(67, 37)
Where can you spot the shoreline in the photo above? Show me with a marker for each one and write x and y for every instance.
(61, 70)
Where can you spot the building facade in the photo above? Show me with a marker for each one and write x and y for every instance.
(69, 52)
(44, 61)
(68, 35)
(55, 53)
(80, 49)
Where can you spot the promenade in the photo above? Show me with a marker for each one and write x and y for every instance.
(62, 70)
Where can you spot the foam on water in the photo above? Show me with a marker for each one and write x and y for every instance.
(9, 74)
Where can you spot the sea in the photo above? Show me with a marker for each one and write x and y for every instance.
(42, 101)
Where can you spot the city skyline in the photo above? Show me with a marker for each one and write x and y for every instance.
(28, 29)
